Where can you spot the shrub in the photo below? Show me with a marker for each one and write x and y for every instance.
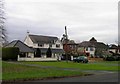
(110, 58)
(38, 53)
(49, 52)
(10, 53)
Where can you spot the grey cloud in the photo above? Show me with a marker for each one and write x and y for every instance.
(82, 19)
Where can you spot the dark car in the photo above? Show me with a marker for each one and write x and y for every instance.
(83, 59)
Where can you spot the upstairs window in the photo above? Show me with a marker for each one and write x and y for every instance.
(40, 45)
(57, 45)
(91, 49)
(53, 41)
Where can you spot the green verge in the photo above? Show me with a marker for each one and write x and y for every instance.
(0, 70)
(22, 72)
(105, 65)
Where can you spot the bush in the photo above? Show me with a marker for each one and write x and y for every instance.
(110, 58)
(10, 53)
(68, 57)
(49, 52)
(38, 53)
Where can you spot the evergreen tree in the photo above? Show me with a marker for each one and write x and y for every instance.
(49, 52)
(38, 53)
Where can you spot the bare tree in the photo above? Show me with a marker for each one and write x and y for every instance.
(3, 37)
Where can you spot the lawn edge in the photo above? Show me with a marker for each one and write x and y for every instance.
(45, 78)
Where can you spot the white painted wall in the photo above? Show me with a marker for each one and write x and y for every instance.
(91, 52)
(113, 50)
(46, 45)
(58, 42)
(53, 45)
(37, 59)
(28, 41)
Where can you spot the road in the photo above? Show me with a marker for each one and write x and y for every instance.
(108, 77)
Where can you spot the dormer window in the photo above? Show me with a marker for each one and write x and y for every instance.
(40, 45)
(53, 41)
(57, 45)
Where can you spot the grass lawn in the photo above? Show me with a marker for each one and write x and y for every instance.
(22, 72)
(0, 70)
(103, 65)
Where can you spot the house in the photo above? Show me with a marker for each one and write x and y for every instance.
(92, 48)
(87, 48)
(114, 49)
(70, 46)
(43, 43)
(25, 51)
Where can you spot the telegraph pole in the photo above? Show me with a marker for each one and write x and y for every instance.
(66, 42)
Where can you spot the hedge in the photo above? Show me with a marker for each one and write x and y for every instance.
(10, 53)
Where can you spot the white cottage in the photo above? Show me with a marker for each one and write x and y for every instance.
(91, 46)
(43, 43)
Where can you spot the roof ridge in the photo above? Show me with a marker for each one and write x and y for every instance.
(12, 42)
(42, 35)
(16, 43)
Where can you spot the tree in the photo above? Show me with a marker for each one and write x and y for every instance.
(38, 53)
(49, 52)
(3, 37)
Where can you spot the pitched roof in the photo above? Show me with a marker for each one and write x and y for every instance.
(101, 45)
(86, 44)
(43, 39)
(23, 47)
(93, 44)
(113, 46)
(93, 39)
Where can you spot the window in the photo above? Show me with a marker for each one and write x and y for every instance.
(40, 45)
(91, 49)
(57, 45)
(50, 45)
(86, 49)
(70, 46)
(53, 41)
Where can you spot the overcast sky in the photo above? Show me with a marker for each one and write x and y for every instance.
(84, 19)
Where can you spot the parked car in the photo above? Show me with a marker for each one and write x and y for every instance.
(78, 59)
